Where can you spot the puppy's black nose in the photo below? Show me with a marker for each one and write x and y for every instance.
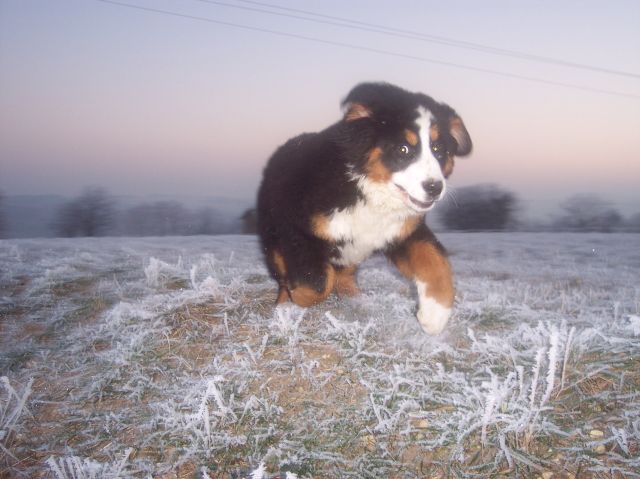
(433, 187)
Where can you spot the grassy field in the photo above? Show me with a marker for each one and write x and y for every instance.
(165, 358)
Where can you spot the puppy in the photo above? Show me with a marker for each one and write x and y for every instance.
(328, 200)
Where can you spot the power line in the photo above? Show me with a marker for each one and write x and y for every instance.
(413, 35)
(370, 49)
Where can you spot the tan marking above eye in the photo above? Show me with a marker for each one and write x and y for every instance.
(434, 132)
(411, 137)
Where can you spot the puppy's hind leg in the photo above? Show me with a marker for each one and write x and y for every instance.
(301, 267)
(278, 270)
(283, 295)
(311, 278)
(346, 285)
(308, 294)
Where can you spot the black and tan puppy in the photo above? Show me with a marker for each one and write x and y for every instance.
(328, 200)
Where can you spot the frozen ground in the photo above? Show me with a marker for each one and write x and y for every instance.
(165, 358)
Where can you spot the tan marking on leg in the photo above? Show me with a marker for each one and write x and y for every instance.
(376, 171)
(346, 284)
(281, 270)
(306, 296)
(320, 226)
(427, 264)
(283, 295)
(411, 137)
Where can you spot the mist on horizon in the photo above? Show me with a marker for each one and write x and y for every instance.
(151, 104)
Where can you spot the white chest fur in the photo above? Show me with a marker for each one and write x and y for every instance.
(369, 225)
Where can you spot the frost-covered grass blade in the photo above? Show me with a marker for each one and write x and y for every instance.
(166, 357)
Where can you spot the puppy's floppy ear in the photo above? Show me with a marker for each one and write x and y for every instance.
(460, 134)
(356, 111)
(447, 116)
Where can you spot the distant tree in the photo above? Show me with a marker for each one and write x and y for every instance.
(3, 224)
(478, 208)
(162, 218)
(633, 224)
(208, 221)
(170, 218)
(249, 221)
(90, 214)
(587, 212)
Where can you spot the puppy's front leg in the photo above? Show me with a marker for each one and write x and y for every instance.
(422, 259)
(433, 312)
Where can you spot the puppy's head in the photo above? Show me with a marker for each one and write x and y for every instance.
(406, 142)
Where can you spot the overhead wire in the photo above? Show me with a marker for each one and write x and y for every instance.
(412, 35)
(369, 49)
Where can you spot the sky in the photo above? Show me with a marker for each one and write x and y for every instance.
(191, 97)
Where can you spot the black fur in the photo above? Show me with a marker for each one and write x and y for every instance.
(312, 174)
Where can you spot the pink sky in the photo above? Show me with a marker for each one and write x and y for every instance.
(139, 102)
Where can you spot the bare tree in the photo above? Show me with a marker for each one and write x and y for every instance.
(249, 221)
(171, 218)
(633, 224)
(161, 218)
(587, 212)
(90, 214)
(3, 224)
(478, 208)
(209, 221)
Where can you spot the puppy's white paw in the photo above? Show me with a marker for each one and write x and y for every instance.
(432, 316)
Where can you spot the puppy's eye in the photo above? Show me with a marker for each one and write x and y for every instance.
(404, 149)
(438, 150)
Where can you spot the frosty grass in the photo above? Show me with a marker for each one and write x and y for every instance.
(165, 358)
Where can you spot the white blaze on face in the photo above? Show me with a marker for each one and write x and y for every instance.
(424, 168)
